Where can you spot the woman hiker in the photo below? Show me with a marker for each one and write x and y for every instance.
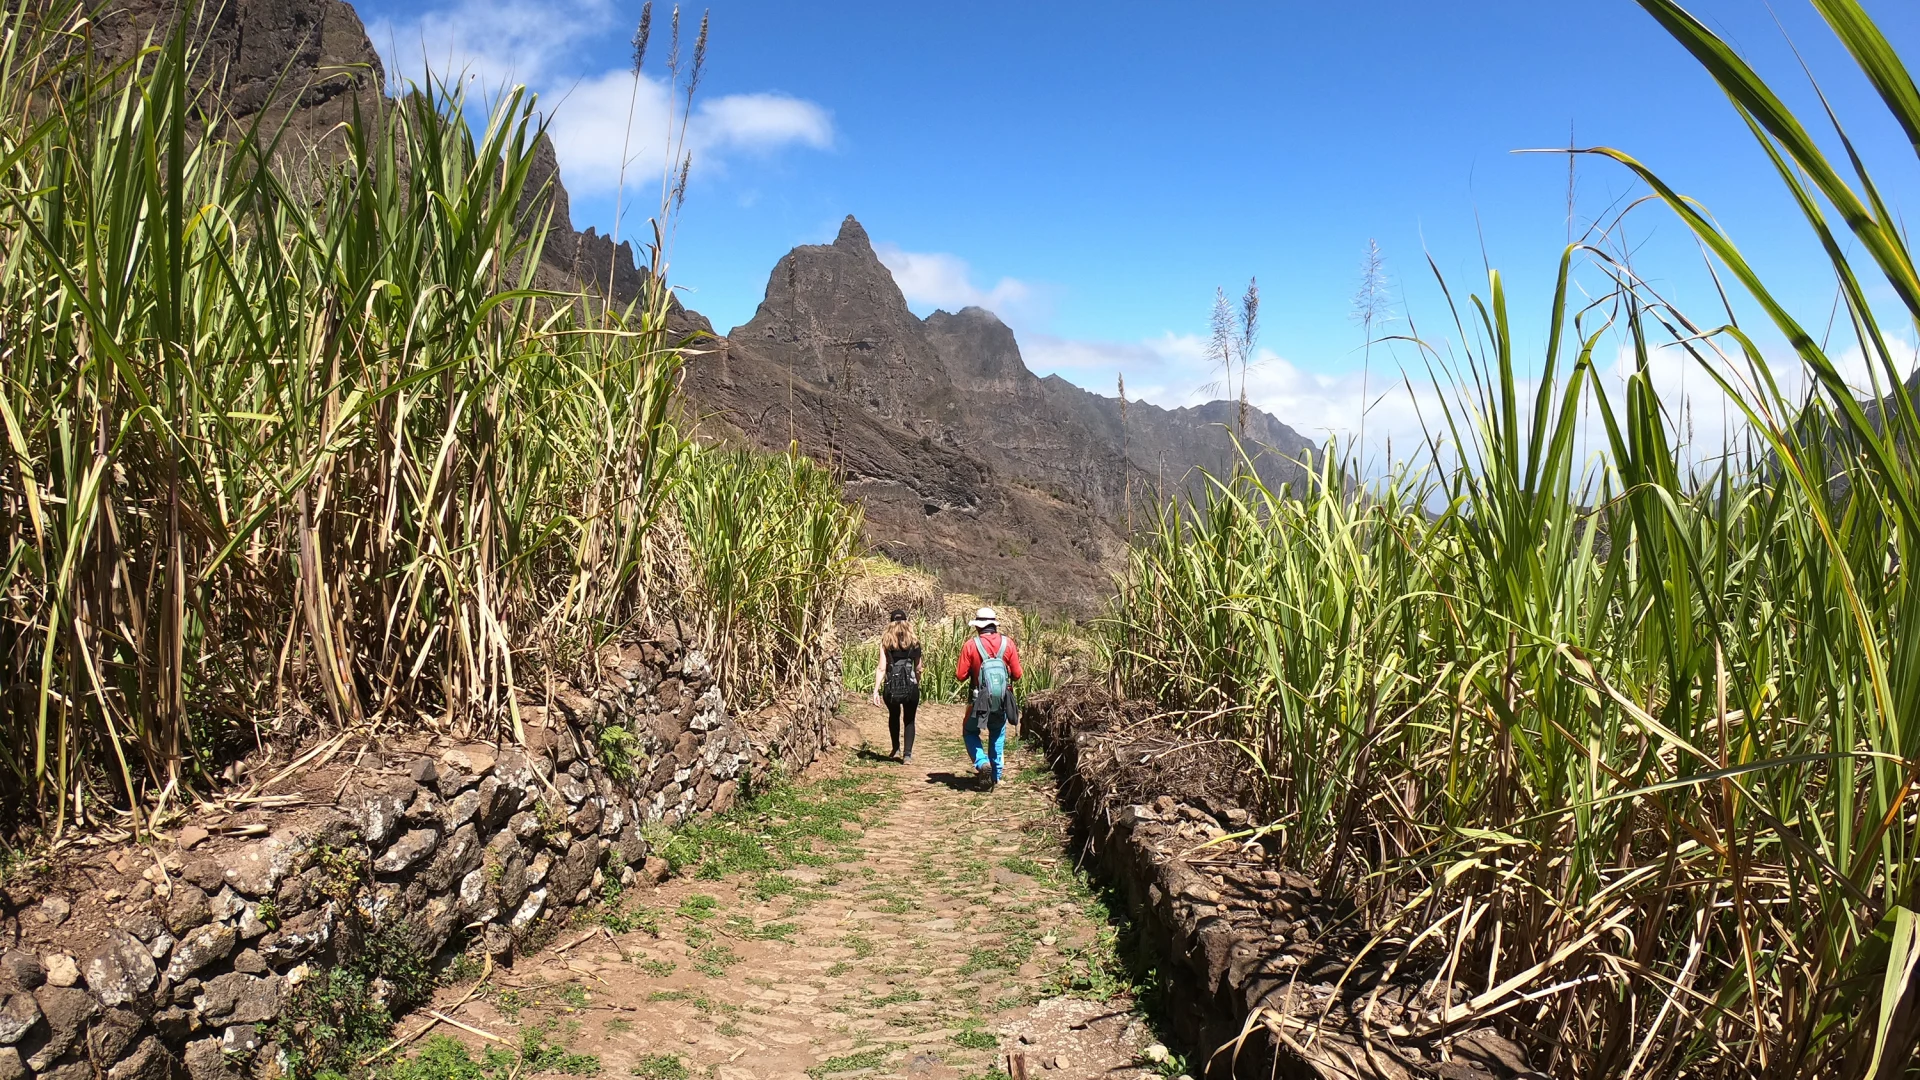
(897, 678)
(991, 663)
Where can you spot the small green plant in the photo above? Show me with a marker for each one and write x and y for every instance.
(1022, 865)
(661, 1067)
(625, 921)
(698, 907)
(768, 886)
(870, 1058)
(659, 969)
(537, 1055)
(1166, 1063)
(268, 913)
(339, 1015)
(714, 960)
(617, 748)
(463, 968)
(343, 871)
(511, 1001)
(574, 995)
(974, 1039)
(441, 1057)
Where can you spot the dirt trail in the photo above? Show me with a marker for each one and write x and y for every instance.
(931, 936)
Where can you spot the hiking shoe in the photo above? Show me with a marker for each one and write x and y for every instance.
(906, 759)
(983, 775)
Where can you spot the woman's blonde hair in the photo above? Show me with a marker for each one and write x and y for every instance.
(898, 636)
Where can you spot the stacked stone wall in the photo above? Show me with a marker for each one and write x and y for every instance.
(182, 965)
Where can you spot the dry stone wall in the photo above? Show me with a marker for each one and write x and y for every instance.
(1252, 953)
(182, 967)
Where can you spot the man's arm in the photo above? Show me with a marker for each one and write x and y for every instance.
(963, 670)
(1013, 659)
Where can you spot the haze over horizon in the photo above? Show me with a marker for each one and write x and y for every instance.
(1092, 174)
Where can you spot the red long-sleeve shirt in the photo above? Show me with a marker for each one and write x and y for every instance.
(970, 656)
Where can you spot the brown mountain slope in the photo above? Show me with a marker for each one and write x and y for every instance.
(968, 464)
(1004, 483)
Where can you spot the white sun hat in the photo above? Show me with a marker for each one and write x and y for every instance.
(984, 618)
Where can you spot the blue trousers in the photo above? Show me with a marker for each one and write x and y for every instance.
(993, 750)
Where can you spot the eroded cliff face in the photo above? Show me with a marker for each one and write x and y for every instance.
(307, 62)
(834, 318)
(968, 464)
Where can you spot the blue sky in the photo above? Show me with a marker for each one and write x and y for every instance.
(1093, 172)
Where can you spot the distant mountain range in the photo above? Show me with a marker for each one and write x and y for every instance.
(968, 464)
(1004, 483)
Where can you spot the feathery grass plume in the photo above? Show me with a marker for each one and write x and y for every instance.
(699, 57)
(1233, 336)
(1247, 339)
(1220, 344)
(1126, 462)
(673, 44)
(640, 35)
(1371, 306)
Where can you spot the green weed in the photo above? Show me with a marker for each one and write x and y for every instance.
(974, 1038)
(871, 1058)
(661, 1067)
(714, 960)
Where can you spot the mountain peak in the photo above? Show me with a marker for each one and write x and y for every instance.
(853, 237)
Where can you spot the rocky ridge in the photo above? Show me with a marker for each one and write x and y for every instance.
(967, 463)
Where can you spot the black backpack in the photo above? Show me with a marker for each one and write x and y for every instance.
(902, 681)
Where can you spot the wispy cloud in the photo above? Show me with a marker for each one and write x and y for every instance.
(601, 121)
(941, 280)
(598, 119)
(497, 44)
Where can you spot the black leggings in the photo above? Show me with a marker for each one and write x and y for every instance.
(898, 711)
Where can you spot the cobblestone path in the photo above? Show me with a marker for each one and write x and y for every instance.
(874, 919)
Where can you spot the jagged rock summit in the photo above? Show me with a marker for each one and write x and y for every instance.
(969, 464)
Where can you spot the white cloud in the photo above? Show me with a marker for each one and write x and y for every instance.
(499, 44)
(940, 280)
(764, 121)
(598, 120)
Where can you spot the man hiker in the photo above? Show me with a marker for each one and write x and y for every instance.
(991, 663)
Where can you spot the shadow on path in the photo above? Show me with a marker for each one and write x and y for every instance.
(956, 781)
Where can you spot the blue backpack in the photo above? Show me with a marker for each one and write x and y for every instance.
(991, 685)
